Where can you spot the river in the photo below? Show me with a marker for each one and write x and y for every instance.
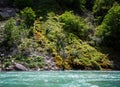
(60, 79)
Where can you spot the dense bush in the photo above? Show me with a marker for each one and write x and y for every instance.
(75, 24)
(110, 28)
(80, 55)
(31, 62)
(101, 8)
(61, 38)
(28, 16)
(68, 50)
(11, 33)
(27, 54)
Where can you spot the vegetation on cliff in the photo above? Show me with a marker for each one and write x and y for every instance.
(61, 33)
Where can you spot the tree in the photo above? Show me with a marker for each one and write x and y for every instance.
(14, 33)
(101, 8)
(109, 30)
(11, 33)
(75, 24)
(28, 16)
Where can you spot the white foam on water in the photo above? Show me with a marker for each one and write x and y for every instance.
(94, 86)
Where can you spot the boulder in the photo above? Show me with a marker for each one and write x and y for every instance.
(10, 68)
(4, 15)
(7, 13)
(20, 67)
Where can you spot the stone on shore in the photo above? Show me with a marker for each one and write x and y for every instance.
(20, 67)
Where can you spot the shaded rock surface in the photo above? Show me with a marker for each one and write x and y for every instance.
(10, 68)
(50, 64)
(7, 12)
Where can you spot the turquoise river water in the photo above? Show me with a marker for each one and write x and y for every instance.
(60, 79)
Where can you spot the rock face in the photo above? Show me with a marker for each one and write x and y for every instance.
(50, 64)
(10, 68)
(7, 13)
(20, 67)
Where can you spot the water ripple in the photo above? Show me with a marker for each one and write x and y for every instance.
(60, 79)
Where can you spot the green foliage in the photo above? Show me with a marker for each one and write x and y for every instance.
(40, 61)
(35, 62)
(31, 62)
(75, 24)
(11, 33)
(80, 54)
(52, 27)
(28, 16)
(101, 8)
(110, 28)
(62, 36)
(27, 46)
(67, 47)
(95, 65)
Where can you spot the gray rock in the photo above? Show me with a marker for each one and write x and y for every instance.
(20, 67)
(10, 68)
(46, 68)
(7, 13)
(4, 15)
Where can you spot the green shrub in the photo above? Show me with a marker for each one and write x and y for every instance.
(7, 64)
(36, 62)
(32, 65)
(95, 65)
(31, 62)
(14, 33)
(101, 8)
(75, 24)
(11, 33)
(65, 45)
(28, 16)
(80, 54)
(27, 46)
(110, 28)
